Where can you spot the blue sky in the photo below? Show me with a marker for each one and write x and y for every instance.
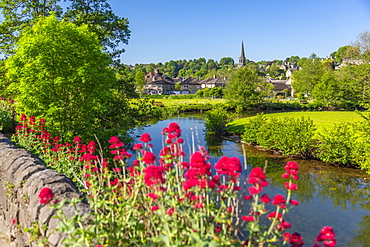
(166, 30)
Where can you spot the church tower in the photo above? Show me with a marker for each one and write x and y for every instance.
(242, 56)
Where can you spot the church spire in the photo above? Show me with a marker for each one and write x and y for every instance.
(242, 56)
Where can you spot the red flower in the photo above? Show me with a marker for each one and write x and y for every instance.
(265, 198)
(153, 196)
(296, 240)
(278, 199)
(294, 202)
(291, 169)
(155, 208)
(229, 166)
(248, 218)
(153, 175)
(137, 146)
(290, 186)
(327, 236)
(46, 195)
(197, 160)
(287, 236)
(149, 158)
(258, 178)
(170, 211)
(248, 197)
(145, 137)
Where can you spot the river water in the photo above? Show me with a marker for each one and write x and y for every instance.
(328, 195)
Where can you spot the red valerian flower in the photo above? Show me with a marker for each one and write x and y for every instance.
(258, 178)
(278, 199)
(153, 196)
(291, 170)
(137, 146)
(290, 186)
(294, 202)
(153, 175)
(145, 137)
(46, 195)
(265, 198)
(197, 160)
(170, 211)
(248, 218)
(149, 158)
(229, 166)
(296, 240)
(327, 236)
(287, 236)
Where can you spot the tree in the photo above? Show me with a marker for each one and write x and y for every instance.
(226, 61)
(140, 80)
(363, 44)
(18, 15)
(304, 80)
(328, 90)
(355, 82)
(246, 88)
(60, 73)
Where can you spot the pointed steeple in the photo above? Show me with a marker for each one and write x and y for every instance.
(242, 56)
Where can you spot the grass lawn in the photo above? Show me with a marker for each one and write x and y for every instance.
(322, 119)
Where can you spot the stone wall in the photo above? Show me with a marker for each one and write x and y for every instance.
(22, 176)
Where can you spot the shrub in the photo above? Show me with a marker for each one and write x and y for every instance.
(290, 136)
(216, 120)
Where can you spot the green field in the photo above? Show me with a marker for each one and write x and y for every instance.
(322, 119)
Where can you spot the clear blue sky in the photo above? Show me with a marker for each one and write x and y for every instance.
(166, 30)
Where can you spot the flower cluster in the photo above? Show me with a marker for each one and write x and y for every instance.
(257, 177)
(326, 236)
(46, 195)
(152, 200)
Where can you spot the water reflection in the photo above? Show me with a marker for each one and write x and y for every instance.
(328, 195)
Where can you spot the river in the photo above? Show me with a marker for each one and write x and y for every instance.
(328, 195)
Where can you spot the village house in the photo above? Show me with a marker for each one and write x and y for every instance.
(188, 85)
(158, 83)
(214, 82)
(280, 87)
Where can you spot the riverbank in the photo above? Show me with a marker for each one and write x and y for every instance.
(335, 137)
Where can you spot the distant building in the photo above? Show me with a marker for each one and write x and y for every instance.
(214, 82)
(242, 59)
(158, 83)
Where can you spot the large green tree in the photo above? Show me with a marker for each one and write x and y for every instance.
(59, 72)
(18, 15)
(111, 29)
(246, 87)
(305, 79)
(355, 84)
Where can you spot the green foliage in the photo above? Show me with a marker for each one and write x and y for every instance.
(140, 80)
(252, 127)
(338, 144)
(348, 143)
(19, 15)
(354, 81)
(60, 73)
(246, 88)
(6, 115)
(110, 29)
(291, 136)
(304, 80)
(216, 120)
(328, 90)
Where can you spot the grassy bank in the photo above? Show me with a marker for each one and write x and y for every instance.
(322, 119)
